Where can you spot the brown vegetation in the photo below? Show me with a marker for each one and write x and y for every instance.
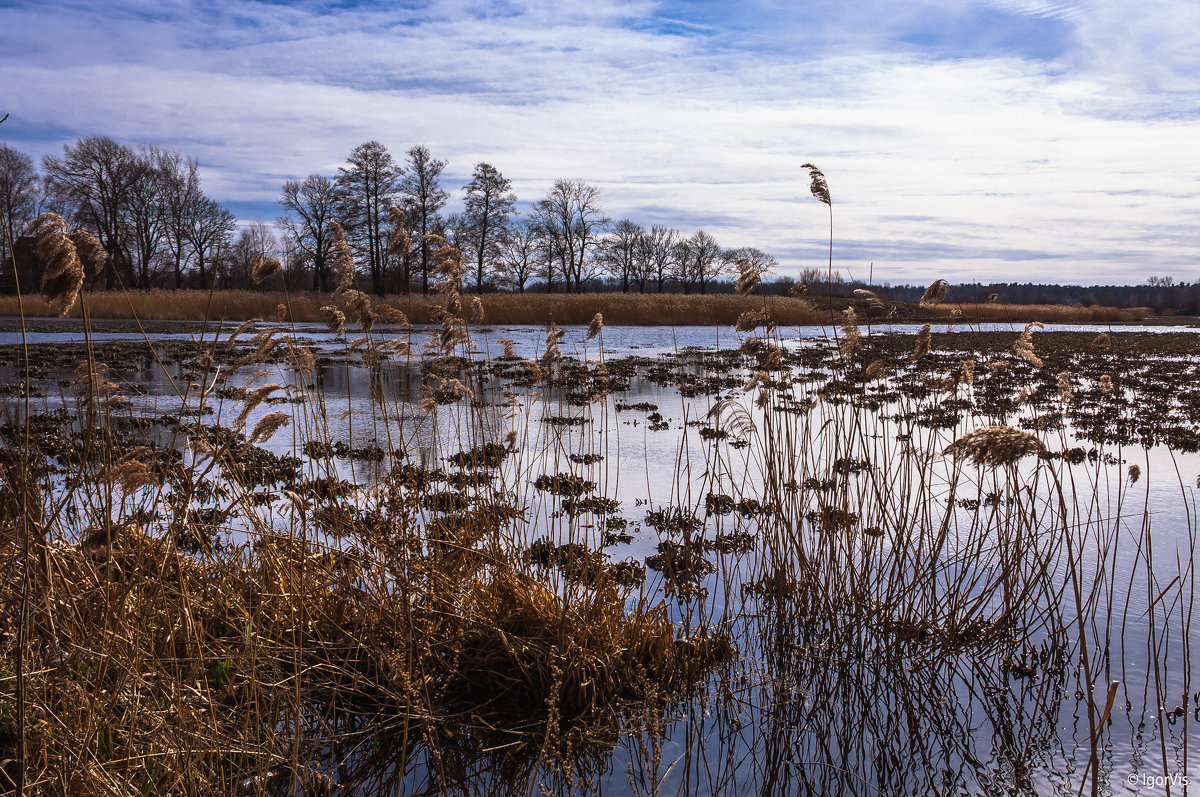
(540, 308)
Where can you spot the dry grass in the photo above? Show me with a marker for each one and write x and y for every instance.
(1043, 312)
(529, 308)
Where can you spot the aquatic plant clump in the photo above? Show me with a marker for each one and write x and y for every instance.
(449, 576)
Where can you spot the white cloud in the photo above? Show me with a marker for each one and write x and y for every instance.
(983, 168)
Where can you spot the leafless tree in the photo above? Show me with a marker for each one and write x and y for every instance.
(367, 187)
(147, 212)
(421, 185)
(308, 207)
(571, 216)
(519, 253)
(208, 231)
(489, 207)
(181, 199)
(699, 261)
(252, 242)
(19, 194)
(95, 177)
(620, 251)
(658, 248)
(758, 260)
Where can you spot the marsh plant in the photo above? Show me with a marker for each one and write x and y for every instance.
(882, 565)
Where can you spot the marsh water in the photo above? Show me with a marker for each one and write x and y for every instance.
(677, 444)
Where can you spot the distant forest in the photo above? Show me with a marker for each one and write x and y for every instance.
(147, 209)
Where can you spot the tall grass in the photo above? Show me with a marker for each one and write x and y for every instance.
(1067, 314)
(530, 308)
(414, 595)
(539, 308)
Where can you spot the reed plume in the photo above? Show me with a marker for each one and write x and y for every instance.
(935, 293)
(263, 267)
(92, 255)
(63, 278)
(399, 242)
(872, 299)
(359, 306)
(753, 319)
(876, 370)
(1024, 344)
(922, 347)
(130, 474)
(335, 319)
(966, 374)
(1065, 394)
(748, 277)
(242, 327)
(993, 446)
(818, 185)
(343, 259)
(851, 339)
(595, 326)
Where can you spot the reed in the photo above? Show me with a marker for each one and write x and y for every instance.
(257, 590)
(1021, 313)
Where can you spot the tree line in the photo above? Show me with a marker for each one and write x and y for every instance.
(160, 229)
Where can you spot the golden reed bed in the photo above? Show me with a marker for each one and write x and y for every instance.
(530, 308)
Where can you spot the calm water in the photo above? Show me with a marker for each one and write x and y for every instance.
(802, 710)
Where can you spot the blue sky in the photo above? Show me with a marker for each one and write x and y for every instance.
(1004, 140)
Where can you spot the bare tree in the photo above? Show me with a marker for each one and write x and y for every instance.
(208, 231)
(367, 188)
(620, 251)
(571, 215)
(757, 259)
(147, 212)
(253, 241)
(95, 178)
(181, 199)
(404, 260)
(660, 246)
(18, 202)
(699, 261)
(421, 185)
(489, 207)
(519, 252)
(308, 207)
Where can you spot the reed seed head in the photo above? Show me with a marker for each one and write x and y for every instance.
(343, 259)
(63, 278)
(748, 277)
(870, 297)
(966, 374)
(993, 446)
(1135, 473)
(1024, 344)
(335, 319)
(851, 339)
(922, 347)
(753, 319)
(597, 324)
(817, 184)
(268, 425)
(263, 267)
(1065, 394)
(935, 293)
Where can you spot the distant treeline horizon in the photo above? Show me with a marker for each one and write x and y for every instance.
(159, 230)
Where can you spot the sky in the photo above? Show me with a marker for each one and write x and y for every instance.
(1007, 140)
